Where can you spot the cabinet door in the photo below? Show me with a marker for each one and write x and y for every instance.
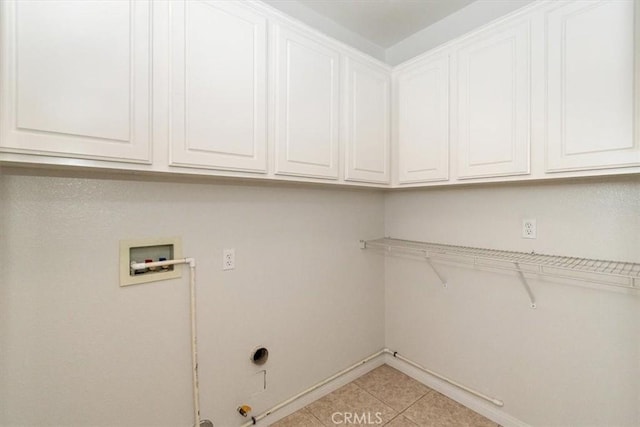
(307, 106)
(590, 86)
(218, 86)
(76, 79)
(422, 120)
(367, 90)
(492, 119)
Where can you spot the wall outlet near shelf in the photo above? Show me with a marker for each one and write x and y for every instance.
(529, 229)
(228, 259)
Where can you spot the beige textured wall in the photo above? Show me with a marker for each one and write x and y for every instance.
(575, 360)
(78, 350)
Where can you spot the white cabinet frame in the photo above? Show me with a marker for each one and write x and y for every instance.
(367, 90)
(491, 119)
(218, 100)
(307, 111)
(64, 119)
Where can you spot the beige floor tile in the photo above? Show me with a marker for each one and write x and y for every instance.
(437, 410)
(301, 418)
(392, 387)
(401, 421)
(343, 405)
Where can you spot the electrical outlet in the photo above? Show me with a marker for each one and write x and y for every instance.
(529, 228)
(228, 259)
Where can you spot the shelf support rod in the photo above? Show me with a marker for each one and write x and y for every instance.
(442, 280)
(526, 285)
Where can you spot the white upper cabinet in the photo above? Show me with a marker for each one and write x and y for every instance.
(590, 83)
(237, 89)
(218, 86)
(422, 120)
(367, 90)
(307, 105)
(491, 127)
(76, 79)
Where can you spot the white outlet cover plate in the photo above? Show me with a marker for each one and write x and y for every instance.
(529, 228)
(228, 259)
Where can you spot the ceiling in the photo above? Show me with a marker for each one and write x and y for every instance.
(382, 22)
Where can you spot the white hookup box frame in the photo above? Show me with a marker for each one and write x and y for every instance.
(138, 250)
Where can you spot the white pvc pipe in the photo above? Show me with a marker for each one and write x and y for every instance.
(194, 333)
(143, 265)
(395, 354)
(194, 354)
(194, 344)
(312, 388)
(254, 420)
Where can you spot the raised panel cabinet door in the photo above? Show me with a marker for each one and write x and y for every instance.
(307, 106)
(76, 79)
(492, 107)
(590, 60)
(368, 115)
(422, 121)
(218, 86)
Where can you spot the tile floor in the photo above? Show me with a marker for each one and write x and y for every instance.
(385, 397)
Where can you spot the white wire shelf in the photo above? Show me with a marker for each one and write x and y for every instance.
(602, 272)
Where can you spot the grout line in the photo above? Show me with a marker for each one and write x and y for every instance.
(401, 414)
(375, 397)
(407, 408)
(391, 420)
(314, 417)
(429, 390)
(416, 401)
(396, 413)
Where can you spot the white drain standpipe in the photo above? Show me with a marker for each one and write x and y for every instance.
(194, 335)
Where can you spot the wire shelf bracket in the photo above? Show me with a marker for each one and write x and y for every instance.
(435, 270)
(527, 288)
(620, 274)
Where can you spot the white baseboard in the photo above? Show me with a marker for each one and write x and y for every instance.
(322, 391)
(478, 405)
(481, 406)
